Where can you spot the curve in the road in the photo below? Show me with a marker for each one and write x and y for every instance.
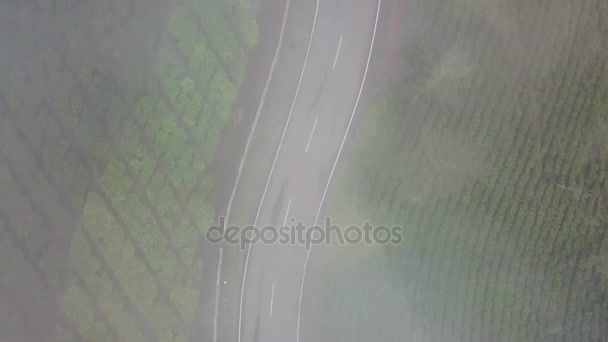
(336, 163)
(314, 23)
(242, 163)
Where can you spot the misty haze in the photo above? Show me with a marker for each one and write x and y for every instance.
(129, 130)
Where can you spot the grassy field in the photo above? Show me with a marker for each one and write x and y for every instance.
(111, 115)
(491, 150)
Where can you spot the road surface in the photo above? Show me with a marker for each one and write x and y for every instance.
(316, 128)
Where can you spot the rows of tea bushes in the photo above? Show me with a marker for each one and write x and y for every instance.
(491, 152)
(108, 125)
(149, 207)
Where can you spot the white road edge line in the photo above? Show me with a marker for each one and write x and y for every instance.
(217, 294)
(287, 213)
(259, 111)
(311, 133)
(337, 53)
(271, 300)
(369, 57)
(247, 145)
(314, 24)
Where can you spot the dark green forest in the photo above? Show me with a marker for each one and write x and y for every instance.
(490, 147)
(110, 113)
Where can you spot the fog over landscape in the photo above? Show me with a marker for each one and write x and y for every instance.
(130, 128)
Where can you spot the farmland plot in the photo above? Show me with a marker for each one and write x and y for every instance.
(491, 151)
(111, 117)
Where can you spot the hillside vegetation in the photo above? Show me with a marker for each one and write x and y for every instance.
(109, 121)
(491, 150)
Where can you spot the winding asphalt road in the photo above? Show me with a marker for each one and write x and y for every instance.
(316, 129)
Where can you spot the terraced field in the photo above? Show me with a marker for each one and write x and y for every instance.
(491, 150)
(109, 122)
